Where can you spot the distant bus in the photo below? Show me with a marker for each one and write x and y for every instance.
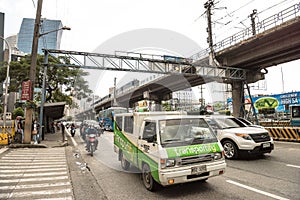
(106, 117)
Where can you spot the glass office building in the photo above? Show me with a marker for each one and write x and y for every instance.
(48, 41)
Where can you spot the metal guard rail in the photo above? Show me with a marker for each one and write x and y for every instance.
(260, 27)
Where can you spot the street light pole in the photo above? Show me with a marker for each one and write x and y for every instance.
(6, 84)
(43, 99)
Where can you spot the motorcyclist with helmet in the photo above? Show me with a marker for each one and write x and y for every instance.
(88, 131)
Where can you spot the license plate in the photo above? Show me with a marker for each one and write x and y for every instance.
(266, 145)
(199, 169)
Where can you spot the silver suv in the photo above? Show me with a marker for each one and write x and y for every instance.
(238, 138)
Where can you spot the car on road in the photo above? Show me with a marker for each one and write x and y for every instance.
(248, 123)
(240, 139)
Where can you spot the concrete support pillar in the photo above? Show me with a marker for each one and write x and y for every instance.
(237, 98)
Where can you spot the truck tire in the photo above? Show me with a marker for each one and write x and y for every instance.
(148, 181)
(124, 163)
(230, 149)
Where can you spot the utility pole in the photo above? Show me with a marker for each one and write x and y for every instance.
(208, 5)
(115, 92)
(32, 73)
(253, 16)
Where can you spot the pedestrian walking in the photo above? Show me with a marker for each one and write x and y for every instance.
(35, 130)
(52, 127)
(63, 131)
(20, 127)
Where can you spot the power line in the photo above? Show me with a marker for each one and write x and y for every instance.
(33, 3)
(230, 14)
(242, 21)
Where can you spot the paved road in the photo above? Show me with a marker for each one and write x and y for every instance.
(273, 176)
(33, 173)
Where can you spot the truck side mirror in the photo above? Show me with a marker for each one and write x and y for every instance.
(150, 138)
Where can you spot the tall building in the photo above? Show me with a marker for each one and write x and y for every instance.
(15, 53)
(49, 41)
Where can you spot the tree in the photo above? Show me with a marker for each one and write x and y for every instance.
(18, 112)
(61, 82)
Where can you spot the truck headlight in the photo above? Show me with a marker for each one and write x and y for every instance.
(217, 156)
(245, 136)
(167, 163)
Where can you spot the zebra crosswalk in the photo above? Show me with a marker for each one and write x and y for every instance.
(35, 174)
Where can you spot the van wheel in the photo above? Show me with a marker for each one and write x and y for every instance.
(230, 149)
(149, 183)
(124, 163)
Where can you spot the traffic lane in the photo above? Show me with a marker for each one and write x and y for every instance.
(126, 185)
(277, 172)
(235, 184)
(283, 163)
(265, 182)
(287, 152)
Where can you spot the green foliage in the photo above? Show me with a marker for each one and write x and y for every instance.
(224, 112)
(69, 118)
(167, 106)
(60, 82)
(18, 112)
(219, 106)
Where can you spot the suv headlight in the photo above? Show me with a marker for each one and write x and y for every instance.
(245, 136)
(167, 163)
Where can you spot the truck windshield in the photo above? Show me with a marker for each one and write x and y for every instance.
(180, 132)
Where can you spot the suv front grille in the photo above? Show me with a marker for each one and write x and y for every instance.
(260, 137)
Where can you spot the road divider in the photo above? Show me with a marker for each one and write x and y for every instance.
(291, 134)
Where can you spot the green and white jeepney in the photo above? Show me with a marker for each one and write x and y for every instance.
(168, 147)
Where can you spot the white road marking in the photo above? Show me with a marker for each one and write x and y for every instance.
(32, 174)
(256, 190)
(296, 166)
(63, 198)
(22, 180)
(31, 170)
(3, 150)
(30, 186)
(35, 174)
(16, 163)
(33, 160)
(32, 166)
(72, 138)
(33, 193)
(27, 157)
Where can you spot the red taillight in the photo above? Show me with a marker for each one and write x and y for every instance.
(92, 139)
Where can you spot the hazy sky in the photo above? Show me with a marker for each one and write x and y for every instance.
(94, 22)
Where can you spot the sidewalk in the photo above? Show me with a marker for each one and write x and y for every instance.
(50, 141)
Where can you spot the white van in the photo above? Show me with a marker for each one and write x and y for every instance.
(168, 148)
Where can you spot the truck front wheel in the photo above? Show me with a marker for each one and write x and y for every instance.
(148, 180)
(124, 163)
